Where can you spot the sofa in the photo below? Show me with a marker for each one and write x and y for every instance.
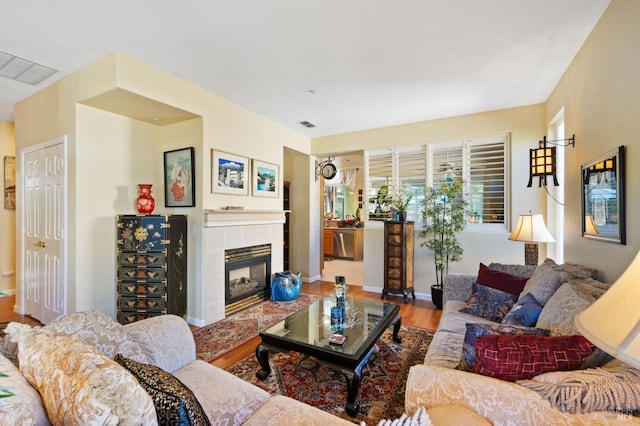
(594, 389)
(85, 368)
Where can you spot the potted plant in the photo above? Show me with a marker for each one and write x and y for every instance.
(444, 212)
(400, 203)
(382, 200)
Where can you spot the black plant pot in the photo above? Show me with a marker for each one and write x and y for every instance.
(436, 295)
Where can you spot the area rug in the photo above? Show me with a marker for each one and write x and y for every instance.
(215, 340)
(381, 394)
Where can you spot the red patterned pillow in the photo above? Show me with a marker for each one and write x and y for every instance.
(514, 358)
(500, 280)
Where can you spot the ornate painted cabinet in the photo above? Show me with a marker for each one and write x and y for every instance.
(398, 259)
(151, 266)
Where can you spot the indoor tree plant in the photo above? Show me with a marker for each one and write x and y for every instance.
(444, 212)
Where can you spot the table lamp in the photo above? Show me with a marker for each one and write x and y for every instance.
(612, 322)
(532, 230)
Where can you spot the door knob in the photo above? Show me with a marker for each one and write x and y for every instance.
(40, 244)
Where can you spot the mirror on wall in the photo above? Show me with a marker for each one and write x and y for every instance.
(343, 193)
(603, 204)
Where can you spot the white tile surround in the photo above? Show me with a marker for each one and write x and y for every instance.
(228, 229)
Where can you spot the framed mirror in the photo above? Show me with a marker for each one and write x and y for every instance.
(603, 204)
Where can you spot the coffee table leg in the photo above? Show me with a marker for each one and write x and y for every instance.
(354, 377)
(396, 328)
(262, 353)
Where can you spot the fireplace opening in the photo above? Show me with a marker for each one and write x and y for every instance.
(247, 276)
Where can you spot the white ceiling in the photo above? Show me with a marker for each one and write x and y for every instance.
(344, 65)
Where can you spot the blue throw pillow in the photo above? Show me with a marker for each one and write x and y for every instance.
(525, 312)
(489, 303)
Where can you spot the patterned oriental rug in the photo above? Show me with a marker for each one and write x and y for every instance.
(381, 394)
(215, 340)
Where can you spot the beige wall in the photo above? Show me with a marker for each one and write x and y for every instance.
(7, 217)
(109, 153)
(601, 97)
(526, 125)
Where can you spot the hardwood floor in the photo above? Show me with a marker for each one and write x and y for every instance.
(7, 314)
(417, 313)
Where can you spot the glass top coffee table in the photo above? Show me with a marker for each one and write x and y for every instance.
(308, 330)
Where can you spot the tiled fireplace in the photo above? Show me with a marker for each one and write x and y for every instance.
(228, 230)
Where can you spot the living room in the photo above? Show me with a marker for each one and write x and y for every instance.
(596, 94)
(119, 115)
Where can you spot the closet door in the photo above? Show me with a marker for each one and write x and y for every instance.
(43, 202)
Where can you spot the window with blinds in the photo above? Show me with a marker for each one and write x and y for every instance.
(481, 162)
(379, 178)
(412, 168)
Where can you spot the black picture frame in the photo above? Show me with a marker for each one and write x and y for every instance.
(179, 178)
(603, 197)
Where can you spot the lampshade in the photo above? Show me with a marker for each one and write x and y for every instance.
(589, 225)
(531, 228)
(612, 322)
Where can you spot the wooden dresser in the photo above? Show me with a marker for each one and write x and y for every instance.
(398, 259)
(151, 266)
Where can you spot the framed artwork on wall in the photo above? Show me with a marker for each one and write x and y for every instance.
(603, 197)
(266, 179)
(179, 178)
(9, 182)
(229, 173)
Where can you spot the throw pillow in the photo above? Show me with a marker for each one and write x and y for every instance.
(489, 303)
(525, 312)
(500, 280)
(478, 330)
(514, 358)
(20, 403)
(175, 403)
(549, 276)
(100, 331)
(77, 383)
(570, 299)
(419, 418)
(610, 388)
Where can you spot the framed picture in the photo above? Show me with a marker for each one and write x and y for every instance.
(9, 183)
(229, 173)
(603, 197)
(266, 179)
(179, 178)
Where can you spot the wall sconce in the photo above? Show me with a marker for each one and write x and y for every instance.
(326, 168)
(532, 230)
(542, 160)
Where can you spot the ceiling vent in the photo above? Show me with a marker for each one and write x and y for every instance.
(307, 124)
(23, 70)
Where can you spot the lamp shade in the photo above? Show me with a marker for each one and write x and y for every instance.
(531, 228)
(612, 322)
(589, 225)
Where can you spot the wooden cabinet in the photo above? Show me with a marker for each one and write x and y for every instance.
(151, 264)
(398, 259)
(328, 243)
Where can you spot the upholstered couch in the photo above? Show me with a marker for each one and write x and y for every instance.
(601, 390)
(68, 375)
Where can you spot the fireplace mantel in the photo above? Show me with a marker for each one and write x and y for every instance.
(214, 218)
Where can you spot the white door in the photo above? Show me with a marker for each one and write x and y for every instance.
(43, 232)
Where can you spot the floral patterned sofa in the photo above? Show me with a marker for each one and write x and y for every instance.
(600, 390)
(68, 375)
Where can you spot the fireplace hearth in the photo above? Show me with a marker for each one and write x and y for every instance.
(247, 276)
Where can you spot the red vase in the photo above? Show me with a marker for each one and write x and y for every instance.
(145, 202)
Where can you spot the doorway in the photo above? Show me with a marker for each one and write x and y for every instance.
(43, 217)
(342, 201)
